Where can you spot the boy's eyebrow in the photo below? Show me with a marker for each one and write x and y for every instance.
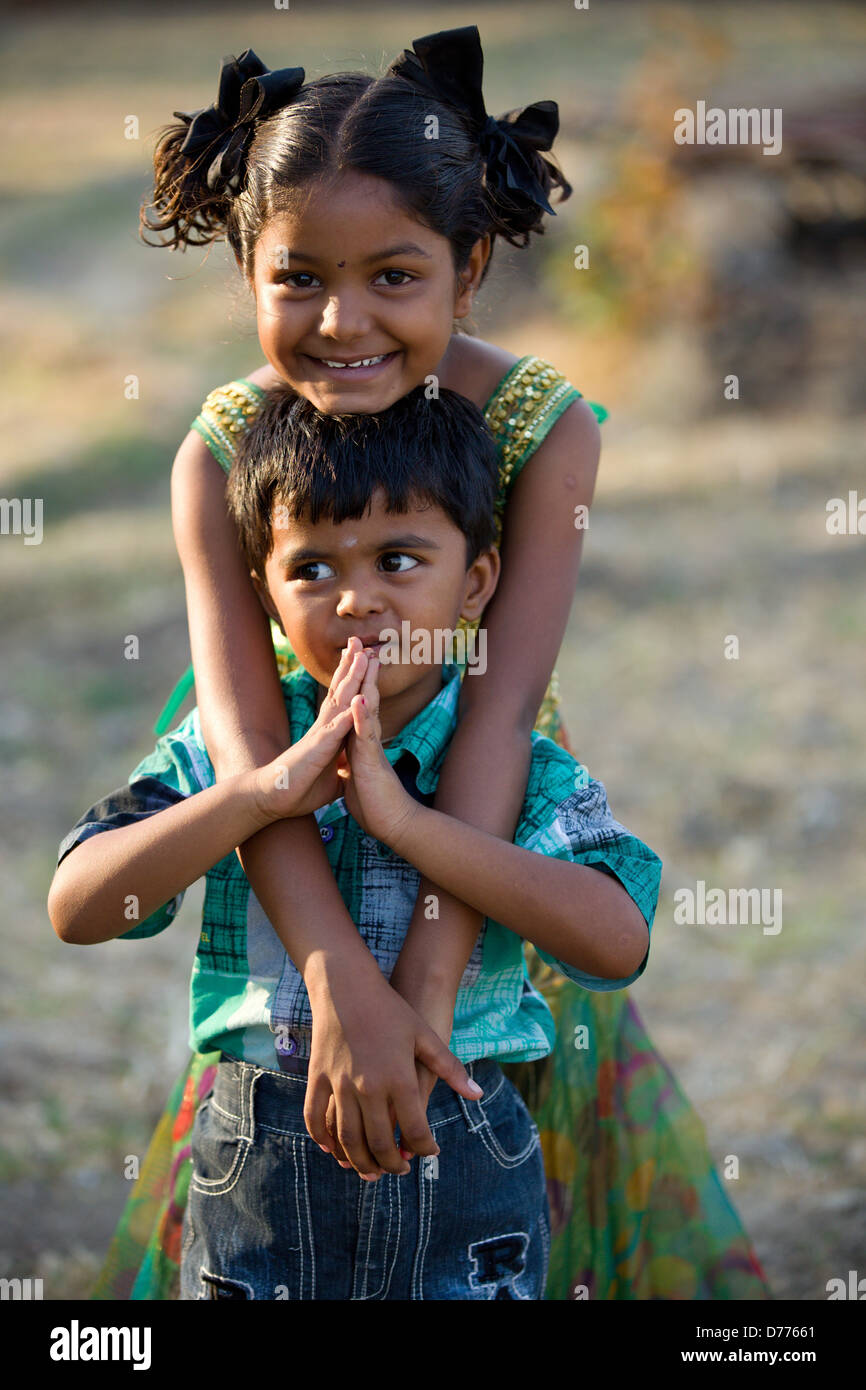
(305, 554)
(406, 248)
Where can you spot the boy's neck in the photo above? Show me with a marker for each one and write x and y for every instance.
(396, 711)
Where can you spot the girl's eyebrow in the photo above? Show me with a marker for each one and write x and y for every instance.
(406, 248)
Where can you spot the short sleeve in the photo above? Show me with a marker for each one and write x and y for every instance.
(175, 770)
(226, 415)
(573, 822)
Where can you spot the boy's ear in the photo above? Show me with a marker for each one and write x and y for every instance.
(482, 577)
(470, 277)
(266, 601)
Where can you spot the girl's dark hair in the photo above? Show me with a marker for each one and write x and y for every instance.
(437, 451)
(348, 121)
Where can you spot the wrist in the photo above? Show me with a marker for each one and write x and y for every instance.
(266, 789)
(327, 973)
(400, 832)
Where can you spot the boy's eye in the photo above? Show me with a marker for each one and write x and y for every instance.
(397, 561)
(303, 571)
(404, 274)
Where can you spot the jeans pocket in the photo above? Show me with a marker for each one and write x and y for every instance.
(508, 1130)
(219, 1151)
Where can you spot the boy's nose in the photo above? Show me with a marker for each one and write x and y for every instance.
(357, 602)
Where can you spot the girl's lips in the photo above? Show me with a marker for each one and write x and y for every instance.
(354, 373)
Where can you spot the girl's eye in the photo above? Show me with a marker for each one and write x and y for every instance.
(300, 275)
(394, 562)
(406, 277)
(303, 571)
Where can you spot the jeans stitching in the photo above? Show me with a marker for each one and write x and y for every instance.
(368, 1207)
(398, 1190)
(545, 1241)
(513, 1280)
(386, 1271)
(495, 1149)
(305, 1229)
(241, 1283)
(425, 1224)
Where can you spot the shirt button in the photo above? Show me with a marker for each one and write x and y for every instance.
(327, 834)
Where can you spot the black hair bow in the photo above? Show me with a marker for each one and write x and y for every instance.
(448, 66)
(222, 132)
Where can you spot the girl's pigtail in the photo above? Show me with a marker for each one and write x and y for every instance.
(183, 209)
(200, 164)
(516, 212)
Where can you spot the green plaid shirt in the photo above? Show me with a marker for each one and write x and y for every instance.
(246, 996)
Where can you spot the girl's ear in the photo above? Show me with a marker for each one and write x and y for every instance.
(266, 601)
(482, 577)
(470, 277)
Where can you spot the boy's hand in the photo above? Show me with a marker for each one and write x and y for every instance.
(373, 791)
(304, 778)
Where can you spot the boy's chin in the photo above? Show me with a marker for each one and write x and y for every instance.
(398, 679)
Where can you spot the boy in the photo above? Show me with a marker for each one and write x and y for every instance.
(353, 526)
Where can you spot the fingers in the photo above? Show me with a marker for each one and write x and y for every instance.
(331, 1125)
(365, 705)
(427, 1079)
(347, 656)
(316, 1104)
(350, 681)
(351, 1133)
(430, 1049)
(416, 1136)
(379, 1130)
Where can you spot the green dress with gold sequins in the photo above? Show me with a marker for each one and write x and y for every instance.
(637, 1208)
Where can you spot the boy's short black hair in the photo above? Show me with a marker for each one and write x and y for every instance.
(438, 450)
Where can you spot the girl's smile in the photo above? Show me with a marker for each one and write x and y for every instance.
(355, 298)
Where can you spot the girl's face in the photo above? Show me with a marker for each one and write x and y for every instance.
(351, 276)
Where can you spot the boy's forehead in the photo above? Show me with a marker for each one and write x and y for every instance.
(375, 522)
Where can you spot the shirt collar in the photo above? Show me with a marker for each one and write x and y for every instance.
(426, 736)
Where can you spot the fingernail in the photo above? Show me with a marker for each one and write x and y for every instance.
(473, 1086)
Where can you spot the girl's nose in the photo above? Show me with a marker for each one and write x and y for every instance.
(345, 317)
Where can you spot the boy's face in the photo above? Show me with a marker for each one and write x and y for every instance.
(325, 583)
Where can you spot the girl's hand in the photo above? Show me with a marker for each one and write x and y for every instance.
(363, 1082)
(304, 778)
(373, 791)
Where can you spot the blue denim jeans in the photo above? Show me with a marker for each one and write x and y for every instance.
(270, 1216)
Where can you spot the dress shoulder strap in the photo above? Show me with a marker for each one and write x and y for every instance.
(524, 408)
(226, 414)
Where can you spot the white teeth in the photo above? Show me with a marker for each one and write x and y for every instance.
(362, 361)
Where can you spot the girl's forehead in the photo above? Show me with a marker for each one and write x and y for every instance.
(350, 206)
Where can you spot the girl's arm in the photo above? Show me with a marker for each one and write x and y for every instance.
(244, 724)
(483, 779)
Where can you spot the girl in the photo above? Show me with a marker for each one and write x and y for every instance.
(362, 213)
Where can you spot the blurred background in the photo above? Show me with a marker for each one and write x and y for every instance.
(709, 522)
